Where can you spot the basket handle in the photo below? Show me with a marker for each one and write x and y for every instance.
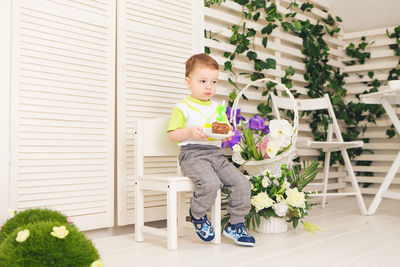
(281, 87)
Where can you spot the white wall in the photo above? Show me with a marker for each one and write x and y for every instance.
(5, 26)
(361, 15)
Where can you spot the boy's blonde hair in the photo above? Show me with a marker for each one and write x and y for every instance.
(200, 59)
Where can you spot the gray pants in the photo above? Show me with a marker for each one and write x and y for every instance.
(209, 169)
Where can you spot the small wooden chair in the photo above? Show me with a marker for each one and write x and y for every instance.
(327, 146)
(152, 141)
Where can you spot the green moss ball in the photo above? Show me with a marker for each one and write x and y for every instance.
(30, 216)
(43, 249)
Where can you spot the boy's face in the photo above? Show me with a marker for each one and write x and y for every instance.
(202, 82)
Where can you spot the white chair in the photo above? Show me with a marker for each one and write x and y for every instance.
(327, 146)
(152, 141)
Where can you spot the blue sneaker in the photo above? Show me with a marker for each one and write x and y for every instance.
(238, 233)
(203, 227)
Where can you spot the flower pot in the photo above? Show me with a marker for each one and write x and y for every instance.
(274, 225)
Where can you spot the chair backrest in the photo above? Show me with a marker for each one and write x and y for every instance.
(302, 104)
(305, 105)
(153, 139)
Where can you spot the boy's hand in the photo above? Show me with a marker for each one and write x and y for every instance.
(196, 132)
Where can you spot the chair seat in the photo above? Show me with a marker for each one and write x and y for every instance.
(329, 145)
(162, 182)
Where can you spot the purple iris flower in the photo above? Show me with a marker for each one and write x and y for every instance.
(265, 130)
(238, 117)
(257, 123)
(235, 140)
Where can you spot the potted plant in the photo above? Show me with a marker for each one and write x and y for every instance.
(279, 200)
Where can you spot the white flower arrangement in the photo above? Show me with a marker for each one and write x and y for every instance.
(281, 196)
(260, 141)
(280, 208)
(281, 132)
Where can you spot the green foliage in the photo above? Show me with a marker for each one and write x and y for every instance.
(208, 3)
(43, 249)
(250, 151)
(395, 35)
(391, 131)
(28, 217)
(299, 179)
(357, 52)
(276, 190)
(394, 73)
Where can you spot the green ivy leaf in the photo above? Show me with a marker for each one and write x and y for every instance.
(258, 65)
(232, 95)
(306, 7)
(259, 3)
(289, 71)
(251, 32)
(251, 55)
(242, 2)
(370, 74)
(390, 132)
(268, 29)
(228, 65)
(271, 63)
(296, 26)
(264, 41)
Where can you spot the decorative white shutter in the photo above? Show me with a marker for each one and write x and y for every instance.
(62, 108)
(155, 38)
(5, 48)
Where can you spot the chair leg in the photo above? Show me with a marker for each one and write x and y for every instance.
(172, 235)
(216, 218)
(354, 182)
(385, 185)
(326, 177)
(139, 210)
(182, 211)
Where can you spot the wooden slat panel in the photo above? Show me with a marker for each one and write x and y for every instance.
(63, 108)
(155, 39)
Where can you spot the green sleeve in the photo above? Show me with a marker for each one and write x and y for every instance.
(177, 120)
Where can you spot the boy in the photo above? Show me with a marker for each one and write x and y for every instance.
(200, 157)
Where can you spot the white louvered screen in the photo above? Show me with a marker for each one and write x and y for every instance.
(154, 40)
(62, 117)
(384, 149)
(5, 47)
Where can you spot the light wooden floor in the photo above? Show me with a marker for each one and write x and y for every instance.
(350, 240)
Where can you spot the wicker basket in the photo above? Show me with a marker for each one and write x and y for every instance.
(259, 167)
(274, 225)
